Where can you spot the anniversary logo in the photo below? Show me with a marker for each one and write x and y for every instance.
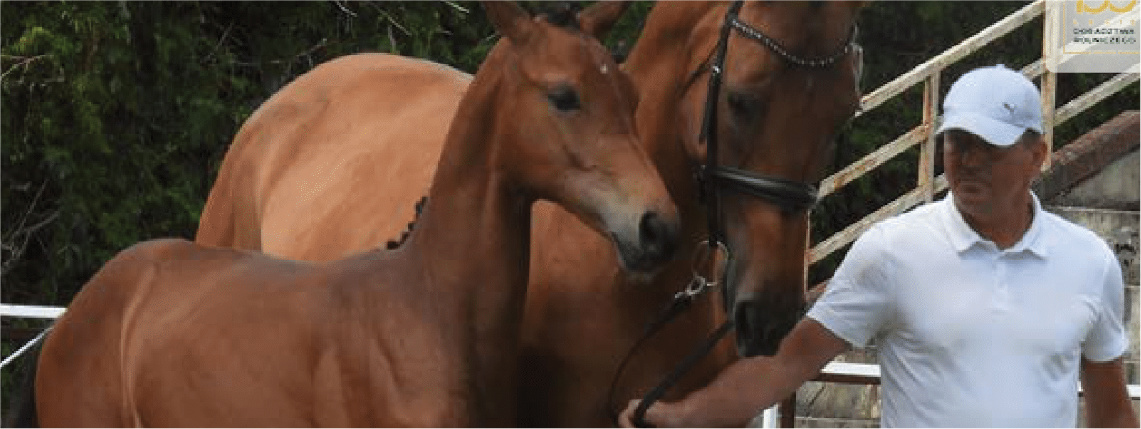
(1098, 36)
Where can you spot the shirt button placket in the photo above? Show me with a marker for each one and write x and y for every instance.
(1001, 281)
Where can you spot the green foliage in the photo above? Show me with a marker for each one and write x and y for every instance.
(116, 115)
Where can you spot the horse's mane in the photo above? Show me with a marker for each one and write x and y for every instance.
(393, 244)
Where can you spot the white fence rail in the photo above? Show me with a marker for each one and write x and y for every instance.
(30, 311)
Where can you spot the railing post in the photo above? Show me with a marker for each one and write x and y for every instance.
(787, 411)
(926, 180)
(1051, 32)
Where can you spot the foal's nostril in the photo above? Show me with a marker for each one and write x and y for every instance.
(657, 237)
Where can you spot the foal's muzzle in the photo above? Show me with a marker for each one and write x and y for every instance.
(656, 242)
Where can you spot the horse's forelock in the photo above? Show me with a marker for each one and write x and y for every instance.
(562, 14)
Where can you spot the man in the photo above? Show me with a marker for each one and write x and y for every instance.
(985, 308)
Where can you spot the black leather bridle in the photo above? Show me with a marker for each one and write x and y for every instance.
(790, 195)
(712, 177)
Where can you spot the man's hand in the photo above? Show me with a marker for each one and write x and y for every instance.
(658, 415)
(749, 385)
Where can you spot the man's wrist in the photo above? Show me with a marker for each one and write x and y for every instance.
(677, 414)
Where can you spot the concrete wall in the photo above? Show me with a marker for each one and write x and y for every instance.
(1115, 187)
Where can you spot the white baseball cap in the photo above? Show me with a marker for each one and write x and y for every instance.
(995, 103)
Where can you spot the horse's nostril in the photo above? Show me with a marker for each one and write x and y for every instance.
(657, 236)
(745, 325)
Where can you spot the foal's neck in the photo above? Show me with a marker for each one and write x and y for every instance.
(475, 229)
(472, 243)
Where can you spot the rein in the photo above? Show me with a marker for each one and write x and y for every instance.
(712, 178)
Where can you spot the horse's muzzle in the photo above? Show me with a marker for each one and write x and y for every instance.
(759, 332)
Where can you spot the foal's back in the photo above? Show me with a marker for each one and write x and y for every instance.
(194, 336)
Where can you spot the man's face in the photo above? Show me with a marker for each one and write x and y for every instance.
(985, 179)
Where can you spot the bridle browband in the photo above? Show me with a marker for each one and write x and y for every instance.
(712, 177)
(752, 33)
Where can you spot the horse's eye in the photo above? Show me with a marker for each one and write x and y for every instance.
(743, 104)
(564, 99)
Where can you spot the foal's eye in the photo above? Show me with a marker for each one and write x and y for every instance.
(564, 99)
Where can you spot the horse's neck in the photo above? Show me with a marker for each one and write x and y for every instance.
(659, 66)
(473, 238)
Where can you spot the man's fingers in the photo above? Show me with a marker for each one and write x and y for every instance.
(625, 419)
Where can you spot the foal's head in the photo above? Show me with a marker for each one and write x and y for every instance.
(568, 129)
(789, 83)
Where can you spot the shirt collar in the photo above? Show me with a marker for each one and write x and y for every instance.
(963, 237)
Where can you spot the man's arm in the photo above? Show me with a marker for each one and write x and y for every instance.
(749, 385)
(1107, 400)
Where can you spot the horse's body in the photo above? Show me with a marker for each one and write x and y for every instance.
(172, 333)
(582, 314)
(329, 116)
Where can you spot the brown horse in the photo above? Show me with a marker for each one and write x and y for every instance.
(172, 333)
(789, 82)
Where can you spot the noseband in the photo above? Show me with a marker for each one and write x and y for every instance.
(712, 178)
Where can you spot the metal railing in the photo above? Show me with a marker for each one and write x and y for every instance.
(929, 74)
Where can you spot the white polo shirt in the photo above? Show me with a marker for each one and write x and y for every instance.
(970, 335)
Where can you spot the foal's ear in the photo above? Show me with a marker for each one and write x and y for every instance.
(599, 18)
(509, 19)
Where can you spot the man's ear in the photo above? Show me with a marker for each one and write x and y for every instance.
(1040, 151)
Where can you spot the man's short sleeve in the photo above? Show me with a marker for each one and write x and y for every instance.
(858, 301)
(1106, 340)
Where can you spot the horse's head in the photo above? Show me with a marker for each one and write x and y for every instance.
(569, 129)
(788, 83)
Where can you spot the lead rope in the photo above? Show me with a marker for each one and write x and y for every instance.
(707, 258)
(679, 303)
(639, 418)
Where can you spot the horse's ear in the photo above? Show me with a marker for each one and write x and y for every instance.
(509, 19)
(599, 18)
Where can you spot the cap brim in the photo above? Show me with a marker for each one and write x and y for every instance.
(995, 132)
